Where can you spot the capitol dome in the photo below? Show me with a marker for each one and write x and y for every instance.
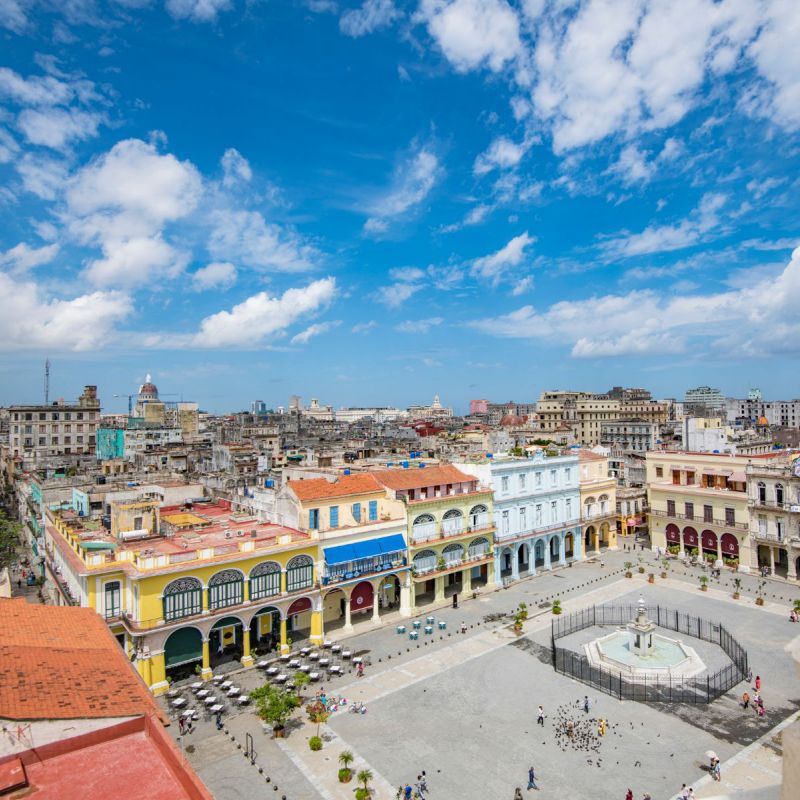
(148, 390)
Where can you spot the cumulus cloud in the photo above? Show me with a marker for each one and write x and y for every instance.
(418, 325)
(493, 267)
(42, 176)
(197, 10)
(371, 16)
(364, 327)
(58, 127)
(235, 168)
(473, 33)
(23, 257)
(217, 275)
(760, 318)
(633, 166)
(316, 329)
(413, 181)
(31, 320)
(407, 281)
(12, 16)
(501, 154)
(263, 315)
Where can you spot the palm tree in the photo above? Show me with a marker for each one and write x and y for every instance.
(346, 759)
(365, 776)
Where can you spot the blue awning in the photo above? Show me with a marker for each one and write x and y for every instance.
(367, 549)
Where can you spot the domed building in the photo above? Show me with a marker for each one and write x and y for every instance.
(147, 391)
(148, 405)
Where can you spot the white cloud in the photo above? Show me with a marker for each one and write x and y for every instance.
(633, 166)
(29, 320)
(473, 33)
(501, 154)
(245, 237)
(758, 319)
(23, 257)
(58, 127)
(418, 325)
(494, 266)
(8, 147)
(521, 286)
(217, 275)
(758, 188)
(12, 16)
(664, 238)
(371, 16)
(197, 10)
(364, 327)
(37, 90)
(396, 294)
(235, 168)
(122, 202)
(262, 315)
(413, 181)
(316, 329)
(44, 177)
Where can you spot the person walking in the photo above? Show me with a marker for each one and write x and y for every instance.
(517, 793)
(532, 779)
(586, 704)
(407, 792)
(219, 720)
(758, 683)
(540, 717)
(749, 675)
(716, 771)
(423, 783)
(629, 794)
(360, 669)
(746, 701)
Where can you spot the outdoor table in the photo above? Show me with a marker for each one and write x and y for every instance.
(233, 691)
(429, 629)
(295, 662)
(314, 676)
(323, 662)
(281, 678)
(210, 701)
(173, 693)
(305, 668)
(336, 648)
(417, 624)
(189, 712)
(346, 654)
(203, 693)
(285, 656)
(327, 643)
(413, 635)
(357, 659)
(442, 625)
(305, 651)
(179, 702)
(430, 620)
(334, 668)
(216, 708)
(226, 684)
(272, 670)
(401, 628)
(197, 685)
(262, 664)
(314, 656)
(244, 700)
(217, 678)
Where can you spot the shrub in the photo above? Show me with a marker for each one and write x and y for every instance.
(345, 775)
(556, 606)
(315, 743)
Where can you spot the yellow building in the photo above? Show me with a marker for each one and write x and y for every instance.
(598, 502)
(363, 558)
(185, 588)
(450, 530)
(698, 504)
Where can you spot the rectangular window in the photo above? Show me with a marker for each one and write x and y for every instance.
(334, 516)
(357, 512)
(373, 510)
(313, 518)
(522, 481)
(137, 523)
(504, 483)
(568, 508)
(670, 508)
(708, 513)
(762, 525)
(538, 513)
(730, 516)
(554, 511)
(689, 510)
(111, 605)
(538, 479)
(659, 472)
(553, 477)
(522, 523)
(567, 475)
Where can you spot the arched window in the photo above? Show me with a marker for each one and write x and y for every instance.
(478, 548)
(265, 580)
(478, 517)
(779, 493)
(299, 573)
(424, 561)
(182, 598)
(424, 528)
(453, 554)
(453, 522)
(225, 588)
(423, 518)
(588, 507)
(603, 503)
(762, 492)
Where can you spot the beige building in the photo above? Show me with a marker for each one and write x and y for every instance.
(598, 502)
(773, 491)
(699, 504)
(585, 413)
(41, 432)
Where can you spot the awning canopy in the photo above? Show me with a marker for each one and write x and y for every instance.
(737, 477)
(370, 548)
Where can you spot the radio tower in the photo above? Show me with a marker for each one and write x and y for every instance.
(47, 382)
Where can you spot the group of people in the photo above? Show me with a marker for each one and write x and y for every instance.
(418, 792)
(629, 795)
(757, 700)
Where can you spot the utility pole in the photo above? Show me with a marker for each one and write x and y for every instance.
(47, 382)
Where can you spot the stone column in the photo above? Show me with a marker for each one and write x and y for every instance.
(406, 597)
(246, 591)
(247, 659)
(204, 599)
(466, 580)
(317, 622)
(143, 668)
(438, 596)
(515, 563)
(498, 566)
(284, 637)
(791, 572)
(547, 564)
(772, 560)
(376, 615)
(206, 673)
(562, 550)
(348, 617)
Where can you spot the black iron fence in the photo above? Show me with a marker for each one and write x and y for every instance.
(649, 688)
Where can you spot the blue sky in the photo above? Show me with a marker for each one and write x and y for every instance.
(372, 203)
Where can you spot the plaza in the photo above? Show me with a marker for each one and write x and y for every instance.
(463, 706)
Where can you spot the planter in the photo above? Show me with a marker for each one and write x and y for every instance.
(664, 575)
(345, 775)
(759, 601)
(518, 630)
(279, 733)
(704, 588)
(641, 570)
(628, 574)
(651, 578)
(736, 595)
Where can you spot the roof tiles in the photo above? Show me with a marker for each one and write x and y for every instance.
(320, 488)
(402, 479)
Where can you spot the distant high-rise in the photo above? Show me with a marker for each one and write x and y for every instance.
(703, 400)
(478, 406)
(258, 407)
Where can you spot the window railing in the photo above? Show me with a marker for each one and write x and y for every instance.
(370, 566)
(720, 523)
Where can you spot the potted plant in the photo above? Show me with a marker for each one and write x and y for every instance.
(556, 606)
(628, 568)
(364, 792)
(641, 566)
(317, 714)
(664, 568)
(345, 773)
(797, 606)
(704, 583)
(440, 563)
(274, 705)
(737, 585)
(519, 617)
(301, 680)
(651, 578)
(315, 743)
(760, 593)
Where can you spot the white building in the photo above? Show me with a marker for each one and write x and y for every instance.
(704, 398)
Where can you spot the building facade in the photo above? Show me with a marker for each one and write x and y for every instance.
(635, 435)
(598, 495)
(703, 399)
(756, 410)
(536, 512)
(584, 412)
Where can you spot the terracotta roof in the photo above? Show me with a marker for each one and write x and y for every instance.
(319, 488)
(588, 455)
(398, 479)
(64, 663)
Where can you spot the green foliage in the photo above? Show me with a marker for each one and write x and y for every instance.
(273, 704)
(628, 566)
(674, 548)
(521, 614)
(9, 539)
(556, 606)
(345, 774)
(346, 759)
(315, 743)
(364, 777)
(362, 794)
(301, 680)
(317, 713)
(703, 580)
(440, 563)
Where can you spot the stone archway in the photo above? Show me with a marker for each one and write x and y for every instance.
(183, 649)
(555, 549)
(361, 598)
(538, 551)
(590, 539)
(225, 641)
(523, 559)
(334, 607)
(506, 562)
(265, 630)
(298, 617)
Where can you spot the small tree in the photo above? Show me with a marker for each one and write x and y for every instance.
(274, 705)
(797, 606)
(317, 713)
(556, 606)
(628, 568)
(704, 583)
(737, 585)
(345, 759)
(760, 593)
(520, 616)
(364, 777)
(301, 680)
(664, 568)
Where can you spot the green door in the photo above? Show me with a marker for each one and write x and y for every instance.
(183, 646)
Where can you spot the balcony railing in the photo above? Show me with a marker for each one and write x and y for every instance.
(354, 570)
(719, 523)
(535, 531)
(426, 570)
(428, 531)
(792, 508)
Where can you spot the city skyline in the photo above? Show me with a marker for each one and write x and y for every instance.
(369, 204)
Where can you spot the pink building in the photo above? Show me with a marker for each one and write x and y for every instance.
(478, 406)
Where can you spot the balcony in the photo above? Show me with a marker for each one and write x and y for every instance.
(774, 505)
(429, 531)
(538, 530)
(696, 489)
(701, 521)
(448, 496)
(428, 572)
(355, 570)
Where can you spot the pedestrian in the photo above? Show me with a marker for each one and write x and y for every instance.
(323, 698)
(690, 794)
(407, 792)
(19, 583)
(423, 783)
(758, 683)
(683, 793)
(716, 771)
(532, 779)
(586, 704)
(360, 669)
(517, 793)
(629, 795)
(463, 627)
(540, 717)
(746, 701)
(749, 675)
(181, 725)
(219, 720)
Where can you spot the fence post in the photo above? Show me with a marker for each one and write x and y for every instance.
(708, 688)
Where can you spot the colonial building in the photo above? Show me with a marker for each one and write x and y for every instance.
(635, 435)
(536, 512)
(450, 531)
(598, 502)
(582, 411)
(773, 491)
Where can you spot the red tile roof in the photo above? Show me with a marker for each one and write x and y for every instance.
(319, 488)
(399, 479)
(588, 455)
(64, 663)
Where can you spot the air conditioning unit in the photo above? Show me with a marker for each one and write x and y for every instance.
(227, 534)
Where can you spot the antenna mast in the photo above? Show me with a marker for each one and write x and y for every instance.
(47, 382)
